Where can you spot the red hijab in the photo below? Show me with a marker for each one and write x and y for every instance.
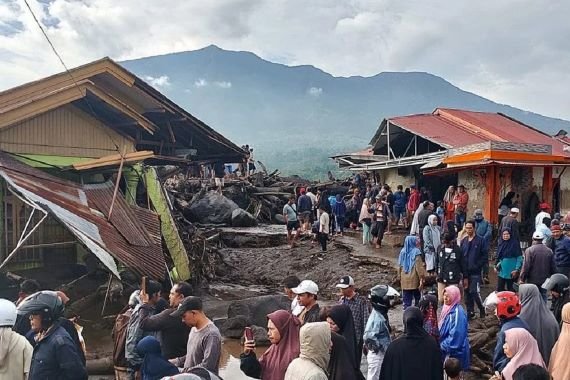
(276, 359)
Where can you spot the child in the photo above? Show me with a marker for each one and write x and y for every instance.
(452, 367)
(440, 212)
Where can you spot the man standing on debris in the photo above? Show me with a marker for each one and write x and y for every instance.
(460, 201)
(172, 332)
(475, 253)
(305, 208)
(359, 307)
(561, 244)
(324, 230)
(292, 221)
(219, 174)
(307, 295)
(150, 294)
(251, 163)
(204, 342)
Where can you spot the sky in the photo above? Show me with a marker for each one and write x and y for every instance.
(514, 52)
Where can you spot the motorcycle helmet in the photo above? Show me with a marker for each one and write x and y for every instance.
(558, 283)
(508, 305)
(45, 303)
(381, 297)
(7, 313)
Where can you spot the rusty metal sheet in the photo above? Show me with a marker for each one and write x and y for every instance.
(70, 204)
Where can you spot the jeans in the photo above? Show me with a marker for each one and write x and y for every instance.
(459, 220)
(366, 237)
(472, 295)
(340, 223)
(409, 295)
(323, 240)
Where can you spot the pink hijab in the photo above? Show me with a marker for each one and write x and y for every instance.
(525, 349)
(276, 359)
(455, 295)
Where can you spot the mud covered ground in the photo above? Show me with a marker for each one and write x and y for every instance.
(269, 266)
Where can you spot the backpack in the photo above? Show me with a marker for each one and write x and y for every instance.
(119, 336)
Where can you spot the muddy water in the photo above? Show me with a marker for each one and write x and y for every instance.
(229, 362)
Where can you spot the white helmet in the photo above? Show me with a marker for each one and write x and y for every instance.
(7, 313)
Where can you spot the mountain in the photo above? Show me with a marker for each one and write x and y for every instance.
(295, 117)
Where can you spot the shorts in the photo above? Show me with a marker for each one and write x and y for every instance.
(305, 216)
(294, 225)
(219, 182)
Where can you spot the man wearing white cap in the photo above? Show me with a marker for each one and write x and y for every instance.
(538, 263)
(510, 221)
(307, 295)
(358, 305)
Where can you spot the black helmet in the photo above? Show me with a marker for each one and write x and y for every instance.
(558, 283)
(381, 297)
(46, 303)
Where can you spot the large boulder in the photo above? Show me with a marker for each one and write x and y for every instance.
(212, 208)
(255, 309)
(233, 327)
(242, 218)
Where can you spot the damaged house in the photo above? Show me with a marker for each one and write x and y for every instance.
(79, 185)
(491, 154)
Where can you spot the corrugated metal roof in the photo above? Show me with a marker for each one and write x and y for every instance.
(453, 128)
(73, 205)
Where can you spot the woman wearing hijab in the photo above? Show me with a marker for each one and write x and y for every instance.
(559, 366)
(315, 344)
(448, 205)
(154, 365)
(521, 348)
(454, 327)
(414, 355)
(509, 261)
(541, 322)
(283, 333)
(411, 271)
(365, 219)
(428, 306)
(432, 241)
(341, 322)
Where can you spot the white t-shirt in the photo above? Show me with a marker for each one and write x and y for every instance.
(324, 222)
(313, 198)
(296, 309)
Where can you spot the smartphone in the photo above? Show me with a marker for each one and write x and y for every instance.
(143, 285)
(248, 333)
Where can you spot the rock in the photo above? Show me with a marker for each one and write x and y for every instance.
(238, 195)
(242, 218)
(260, 336)
(478, 340)
(233, 327)
(211, 208)
(255, 309)
(279, 219)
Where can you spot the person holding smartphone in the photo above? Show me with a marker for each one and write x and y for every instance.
(283, 333)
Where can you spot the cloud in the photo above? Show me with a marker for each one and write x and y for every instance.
(161, 81)
(201, 83)
(520, 58)
(315, 91)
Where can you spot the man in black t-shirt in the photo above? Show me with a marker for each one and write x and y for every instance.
(219, 174)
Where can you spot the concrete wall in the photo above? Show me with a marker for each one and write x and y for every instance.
(393, 179)
(564, 188)
(474, 182)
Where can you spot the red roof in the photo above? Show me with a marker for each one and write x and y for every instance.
(453, 128)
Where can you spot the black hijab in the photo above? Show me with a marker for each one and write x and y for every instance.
(508, 248)
(341, 366)
(415, 354)
(342, 317)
